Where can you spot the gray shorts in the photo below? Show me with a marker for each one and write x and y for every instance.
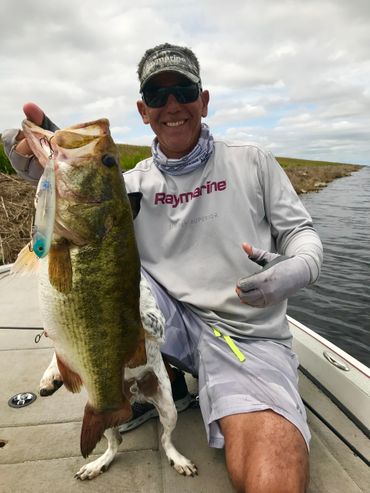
(235, 376)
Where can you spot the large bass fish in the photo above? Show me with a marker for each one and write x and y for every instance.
(89, 278)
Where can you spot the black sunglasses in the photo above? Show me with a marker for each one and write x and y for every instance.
(155, 97)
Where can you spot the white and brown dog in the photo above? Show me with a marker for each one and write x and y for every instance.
(139, 384)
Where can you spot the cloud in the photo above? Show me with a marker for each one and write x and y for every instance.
(239, 112)
(293, 76)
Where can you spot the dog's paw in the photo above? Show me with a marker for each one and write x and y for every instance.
(183, 466)
(50, 381)
(91, 470)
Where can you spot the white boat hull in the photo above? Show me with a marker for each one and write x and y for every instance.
(341, 375)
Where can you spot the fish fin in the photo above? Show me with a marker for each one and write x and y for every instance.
(95, 423)
(60, 267)
(138, 358)
(26, 263)
(71, 379)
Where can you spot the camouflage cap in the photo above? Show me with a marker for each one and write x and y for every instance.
(168, 58)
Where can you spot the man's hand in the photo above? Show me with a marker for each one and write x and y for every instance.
(17, 148)
(280, 277)
(35, 114)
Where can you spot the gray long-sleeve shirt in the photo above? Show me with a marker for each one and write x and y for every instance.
(190, 229)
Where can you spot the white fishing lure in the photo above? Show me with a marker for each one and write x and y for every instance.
(43, 226)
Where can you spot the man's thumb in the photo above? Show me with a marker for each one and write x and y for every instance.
(33, 113)
(247, 248)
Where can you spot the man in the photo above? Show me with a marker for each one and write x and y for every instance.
(211, 214)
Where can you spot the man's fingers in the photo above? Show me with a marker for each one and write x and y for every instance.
(33, 113)
(36, 115)
(246, 284)
(253, 297)
(260, 257)
(22, 147)
(247, 248)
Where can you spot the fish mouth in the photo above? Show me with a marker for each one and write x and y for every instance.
(95, 128)
(82, 134)
(45, 143)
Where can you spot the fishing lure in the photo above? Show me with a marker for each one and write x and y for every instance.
(42, 230)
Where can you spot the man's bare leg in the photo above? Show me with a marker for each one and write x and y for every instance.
(265, 453)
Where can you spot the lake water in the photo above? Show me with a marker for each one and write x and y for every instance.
(338, 305)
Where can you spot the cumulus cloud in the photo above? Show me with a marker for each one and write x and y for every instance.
(292, 76)
(236, 112)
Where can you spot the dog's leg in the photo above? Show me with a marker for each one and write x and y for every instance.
(168, 417)
(100, 465)
(151, 317)
(166, 408)
(51, 379)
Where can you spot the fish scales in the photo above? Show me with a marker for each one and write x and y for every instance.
(95, 306)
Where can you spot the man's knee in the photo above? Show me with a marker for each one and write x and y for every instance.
(265, 453)
(261, 477)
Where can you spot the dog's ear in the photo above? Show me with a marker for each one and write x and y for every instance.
(135, 200)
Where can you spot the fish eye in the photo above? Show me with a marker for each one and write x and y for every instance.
(108, 160)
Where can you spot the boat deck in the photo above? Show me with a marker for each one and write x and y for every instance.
(39, 444)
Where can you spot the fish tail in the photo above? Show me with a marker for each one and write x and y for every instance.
(95, 423)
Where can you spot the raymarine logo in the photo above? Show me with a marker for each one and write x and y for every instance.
(183, 198)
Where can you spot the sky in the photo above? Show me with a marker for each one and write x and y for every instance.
(290, 75)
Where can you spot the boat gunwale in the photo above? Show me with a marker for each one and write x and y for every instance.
(332, 347)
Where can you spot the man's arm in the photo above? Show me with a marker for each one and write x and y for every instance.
(299, 260)
(279, 278)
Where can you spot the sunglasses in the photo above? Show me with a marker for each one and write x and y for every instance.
(156, 97)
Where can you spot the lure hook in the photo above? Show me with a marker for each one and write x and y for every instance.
(44, 141)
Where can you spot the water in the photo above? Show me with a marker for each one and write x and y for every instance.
(338, 305)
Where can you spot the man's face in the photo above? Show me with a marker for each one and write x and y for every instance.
(177, 126)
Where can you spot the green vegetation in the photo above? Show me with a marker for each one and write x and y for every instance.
(5, 166)
(312, 176)
(130, 155)
(288, 163)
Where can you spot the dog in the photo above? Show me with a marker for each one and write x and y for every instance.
(145, 383)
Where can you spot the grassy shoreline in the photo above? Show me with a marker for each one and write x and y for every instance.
(17, 195)
(311, 176)
(305, 175)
